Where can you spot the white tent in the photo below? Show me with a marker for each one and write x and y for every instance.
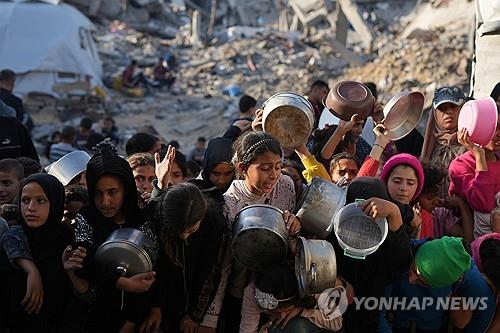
(47, 44)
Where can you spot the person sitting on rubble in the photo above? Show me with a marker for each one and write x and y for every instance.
(162, 74)
(132, 80)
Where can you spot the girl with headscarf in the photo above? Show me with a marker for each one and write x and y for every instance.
(41, 202)
(116, 301)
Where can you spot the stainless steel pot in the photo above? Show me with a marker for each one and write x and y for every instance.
(129, 251)
(260, 237)
(315, 266)
(69, 166)
(402, 114)
(318, 205)
(289, 117)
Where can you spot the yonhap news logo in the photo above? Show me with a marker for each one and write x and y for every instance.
(332, 303)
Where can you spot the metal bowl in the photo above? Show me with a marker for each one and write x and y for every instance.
(289, 117)
(348, 98)
(402, 114)
(69, 166)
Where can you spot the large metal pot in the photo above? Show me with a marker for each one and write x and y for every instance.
(315, 266)
(260, 237)
(318, 205)
(129, 251)
(289, 117)
(402, 114)
(348, 98)
(69, 166)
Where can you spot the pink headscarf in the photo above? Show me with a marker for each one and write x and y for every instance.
(476, 244)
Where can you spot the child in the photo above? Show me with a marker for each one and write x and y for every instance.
(275, 294)
(11, 174)
(41, 202)
(143, 168)
(474, 177)
(76, 198)
(429, 199)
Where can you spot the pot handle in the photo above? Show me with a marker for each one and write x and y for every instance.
(347, 253)
(314, 275)
(121, 270)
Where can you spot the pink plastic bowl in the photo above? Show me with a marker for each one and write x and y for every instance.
(480, 118)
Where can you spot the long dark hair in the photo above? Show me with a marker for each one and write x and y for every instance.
(180, 207)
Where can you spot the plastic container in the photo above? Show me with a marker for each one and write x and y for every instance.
(357, 233)
(480, 118)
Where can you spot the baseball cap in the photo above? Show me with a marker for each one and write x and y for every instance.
(448, 95)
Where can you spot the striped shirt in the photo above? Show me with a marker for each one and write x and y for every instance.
(60, 149)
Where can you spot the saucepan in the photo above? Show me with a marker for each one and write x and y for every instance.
(347, 98)
(260, 237)
(402, 114)
(318, 205)
(128, 251)
(315, 266)
(289, 117)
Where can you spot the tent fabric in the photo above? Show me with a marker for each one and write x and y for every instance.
(40, 40)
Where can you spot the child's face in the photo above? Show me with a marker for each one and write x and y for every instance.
(344, 168)
(402, 184)
(35, 205)
(177, 175)
(264, 172)
(428, 201)
(9, 186)
(144, 176)
(222, 175)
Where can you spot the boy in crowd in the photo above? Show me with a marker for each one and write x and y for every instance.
(64, 147)
(11, 174)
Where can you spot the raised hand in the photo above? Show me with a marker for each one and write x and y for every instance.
(163, 169)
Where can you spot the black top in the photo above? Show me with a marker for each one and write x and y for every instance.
(15, 140)
(16, 103)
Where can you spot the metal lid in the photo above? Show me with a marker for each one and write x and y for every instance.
(69, 166)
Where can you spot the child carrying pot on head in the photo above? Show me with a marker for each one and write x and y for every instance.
(474, 177)
(275, 294)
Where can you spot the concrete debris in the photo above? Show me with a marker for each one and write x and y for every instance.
(259, 60)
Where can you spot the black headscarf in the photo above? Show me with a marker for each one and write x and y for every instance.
(218, 150)
(50, 238)
(371, 187)
(106, 162)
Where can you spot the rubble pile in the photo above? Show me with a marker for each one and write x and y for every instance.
(252, 57)
(423, 61)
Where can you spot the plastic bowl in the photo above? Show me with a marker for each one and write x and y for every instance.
(480, 118)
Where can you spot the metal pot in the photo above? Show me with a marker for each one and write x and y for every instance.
(315, 266)
(288, 117)
(347, 98)
(69, 166)
(129, 251)
(318, 205)
(260, 237)
(402, 114)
